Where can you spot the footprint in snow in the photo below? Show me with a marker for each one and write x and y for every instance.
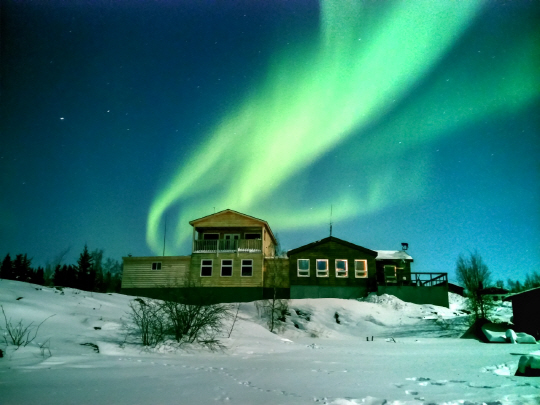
(473, 385)
(411, 392)
(441, 382)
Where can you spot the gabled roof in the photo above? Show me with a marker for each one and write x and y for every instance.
(393, 255)
(262, 222)
(332, 239)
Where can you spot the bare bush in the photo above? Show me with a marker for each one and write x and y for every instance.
(189, 323)
(148, 321)
(19, 334)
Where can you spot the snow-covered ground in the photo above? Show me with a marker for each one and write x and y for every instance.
(415, 356)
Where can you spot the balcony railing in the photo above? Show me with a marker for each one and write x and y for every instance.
(227, 246)
(417, 279)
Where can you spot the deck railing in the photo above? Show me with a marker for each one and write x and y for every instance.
(418, 279)
(227, 246)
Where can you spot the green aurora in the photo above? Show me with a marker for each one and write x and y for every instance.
(368, 60)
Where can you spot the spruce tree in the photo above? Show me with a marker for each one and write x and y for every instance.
(22, 270)
(86, 272)
(39, 276)
(6, 271)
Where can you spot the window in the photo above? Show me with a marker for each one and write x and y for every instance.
(390, 273)
(360, 268)
(156, 266)
(247, 268)
(210, 236)
(252, 236)
(303, 267)
(206, 268)
(341, 268)
(322, 267)
(226, 268)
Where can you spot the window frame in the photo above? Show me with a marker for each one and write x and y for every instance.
(327, 271)
(346, 268)
(394, 277)
(156, 266)
(231, 266)
(211, 265)
(365, 271)
(243, 265)
(298, 270)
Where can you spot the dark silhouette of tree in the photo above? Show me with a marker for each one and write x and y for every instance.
(6, 271)
(86, 272)
(97, 258)
(39, 276)
(22, 269)
(112, 270)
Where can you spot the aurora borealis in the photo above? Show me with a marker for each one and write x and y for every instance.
(416, 121)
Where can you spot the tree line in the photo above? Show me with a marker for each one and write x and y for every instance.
(91, 273)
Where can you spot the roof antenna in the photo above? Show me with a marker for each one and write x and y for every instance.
(214, 210)
(164, 235)
(330, 219)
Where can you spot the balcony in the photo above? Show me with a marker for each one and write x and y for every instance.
(227, 246)
(415, 279)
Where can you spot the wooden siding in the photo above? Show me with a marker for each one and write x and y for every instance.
(404, 265)
(331, 251)
(138, 271)
(268, 244)
(236, 280)
(227, 219)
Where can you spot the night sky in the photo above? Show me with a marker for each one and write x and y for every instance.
(415, 121)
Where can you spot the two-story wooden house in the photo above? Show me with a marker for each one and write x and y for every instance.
(232, 257)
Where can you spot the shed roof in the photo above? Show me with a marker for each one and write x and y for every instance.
(530, 291)
(393, 255)
(331, 239)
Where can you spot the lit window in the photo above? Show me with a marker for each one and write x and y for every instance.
(303, 267)
(360, 268)
(341, 268)
(156, 266)
(390, 273)
(206, 268)
(226, 268)
(247, 268)
(322, 267)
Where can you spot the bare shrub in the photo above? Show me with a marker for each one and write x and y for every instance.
(19, 334)
(189, 323)
(148, 321)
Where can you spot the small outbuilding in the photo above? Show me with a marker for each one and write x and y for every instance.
(526, 308)
(456, 289)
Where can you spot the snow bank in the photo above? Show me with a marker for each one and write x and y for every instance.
(312, 359)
